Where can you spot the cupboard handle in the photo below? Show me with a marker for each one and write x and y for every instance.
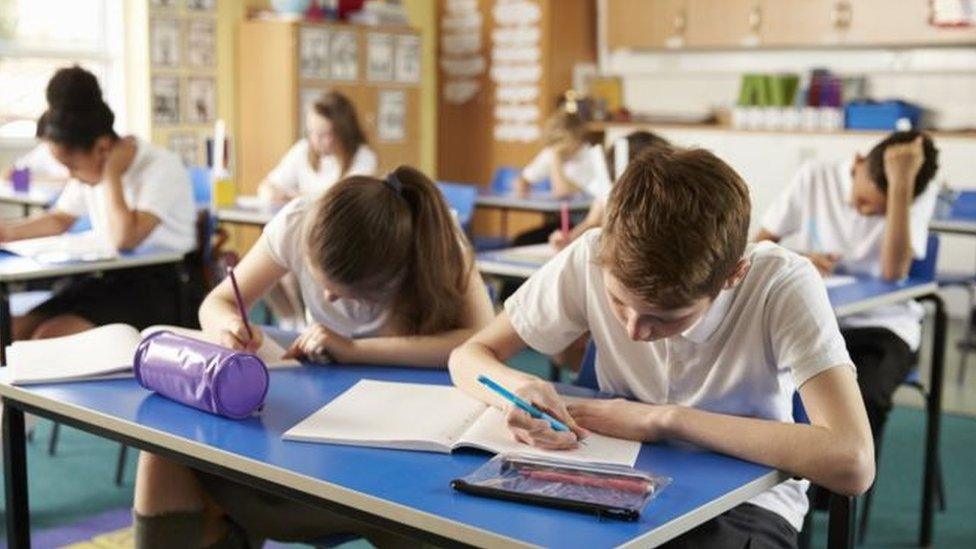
(755, 19)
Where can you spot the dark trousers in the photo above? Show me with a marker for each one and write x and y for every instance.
(745, 526)
(883, 360)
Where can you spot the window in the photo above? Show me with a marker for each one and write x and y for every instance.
(37, 37)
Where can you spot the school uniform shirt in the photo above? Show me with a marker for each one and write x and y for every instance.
(586, 169)
(284, 238)
(818, 212)
(155, 182)
(294, 174)
(746, 356)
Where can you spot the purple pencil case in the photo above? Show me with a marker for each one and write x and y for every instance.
(203, 375)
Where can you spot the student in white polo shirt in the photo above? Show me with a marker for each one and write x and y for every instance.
(137, 196)
(708, 340)
(868, 217)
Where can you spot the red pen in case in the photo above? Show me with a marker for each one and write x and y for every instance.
(606, 490)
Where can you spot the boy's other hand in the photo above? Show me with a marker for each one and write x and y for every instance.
(621, 418)
(902, 163)
(538, 432)
(825, 263)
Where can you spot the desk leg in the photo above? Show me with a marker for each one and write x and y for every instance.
(934, 414)
(27, 210)
(15, 477)
(840, 528)
(6, 323)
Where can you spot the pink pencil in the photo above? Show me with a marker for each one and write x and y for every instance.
(240, 302)
(564, 213)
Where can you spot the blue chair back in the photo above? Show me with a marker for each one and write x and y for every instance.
(461, 198)
(504, 180)
(925, 268)
(587, 374)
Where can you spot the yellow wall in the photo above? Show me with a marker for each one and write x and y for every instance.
(423, 16)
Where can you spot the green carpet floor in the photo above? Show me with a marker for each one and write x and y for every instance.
(78, 481)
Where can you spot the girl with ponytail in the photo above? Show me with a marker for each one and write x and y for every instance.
(136, 196)
(388, 278)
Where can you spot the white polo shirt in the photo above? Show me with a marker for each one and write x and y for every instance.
(816, 212)
(284, 238)
(746, 356)
(294, 174)
(156, 182)
(586, 169)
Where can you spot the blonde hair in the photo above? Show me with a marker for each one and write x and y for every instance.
(563, 128)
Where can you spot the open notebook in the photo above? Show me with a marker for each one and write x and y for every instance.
(64, 248)
(99, 353)
(536, 254)
(434, 418)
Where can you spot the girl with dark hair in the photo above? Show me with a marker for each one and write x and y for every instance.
(335, 147)
(136, 195)
(388, 278)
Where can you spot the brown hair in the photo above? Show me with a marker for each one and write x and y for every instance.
(564, 127)
(345, 127)
(637, 141)
(394, 234)
(677, 225)
(930, 160)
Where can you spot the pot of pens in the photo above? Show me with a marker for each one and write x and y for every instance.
(610, 491)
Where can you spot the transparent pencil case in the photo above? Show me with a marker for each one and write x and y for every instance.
(605, 490)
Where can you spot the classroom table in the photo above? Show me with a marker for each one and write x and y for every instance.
(246, 215)
(533, 202)
(958, 218)
(863, 294)
(17, 269)
(39, 195)
(405, 491)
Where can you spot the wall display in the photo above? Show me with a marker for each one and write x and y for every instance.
(201, 41)
(166, 100)
(187, 146)
(313, 52)
(201, 5)
(344, 51)
(379, 57)
(516, 69)
(391, 116)
(408, 58)
(460, 56)
(164, 42)
(200, 101)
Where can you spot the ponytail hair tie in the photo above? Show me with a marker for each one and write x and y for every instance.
(393, 182)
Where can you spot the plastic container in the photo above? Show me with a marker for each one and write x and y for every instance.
(205, 376)
(884, 115)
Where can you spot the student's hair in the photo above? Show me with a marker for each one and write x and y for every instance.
(76, 115)
(340, 111)
(930, 163)
(637, 141)
(677, 225)
(564, 127)
(394, 234)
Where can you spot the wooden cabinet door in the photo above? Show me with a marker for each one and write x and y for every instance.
(804, 22)
(905, 22)
(645, 24)
(723, 23)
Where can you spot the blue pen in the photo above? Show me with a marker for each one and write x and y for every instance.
(530, 409)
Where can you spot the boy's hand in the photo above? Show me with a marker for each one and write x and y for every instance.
(825, 263)
(538, 432)
(319, 344)
(621, 418)
(234, 335)
(558, 240)
(902, 162)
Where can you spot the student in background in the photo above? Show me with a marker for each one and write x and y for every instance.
(564, 160)
(335, 147)
(869, 216)
(709, 338)
(136, 194)
(389, 279)
(634, 143)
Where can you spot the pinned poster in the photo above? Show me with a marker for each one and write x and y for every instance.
(379, 55)
(201, 43)
(345, 56)
(313, 52)
(187, 146)
(166, 100)
(408, 58)
(200, 101)
(392, 115)
(460, 91)
(164, 42)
